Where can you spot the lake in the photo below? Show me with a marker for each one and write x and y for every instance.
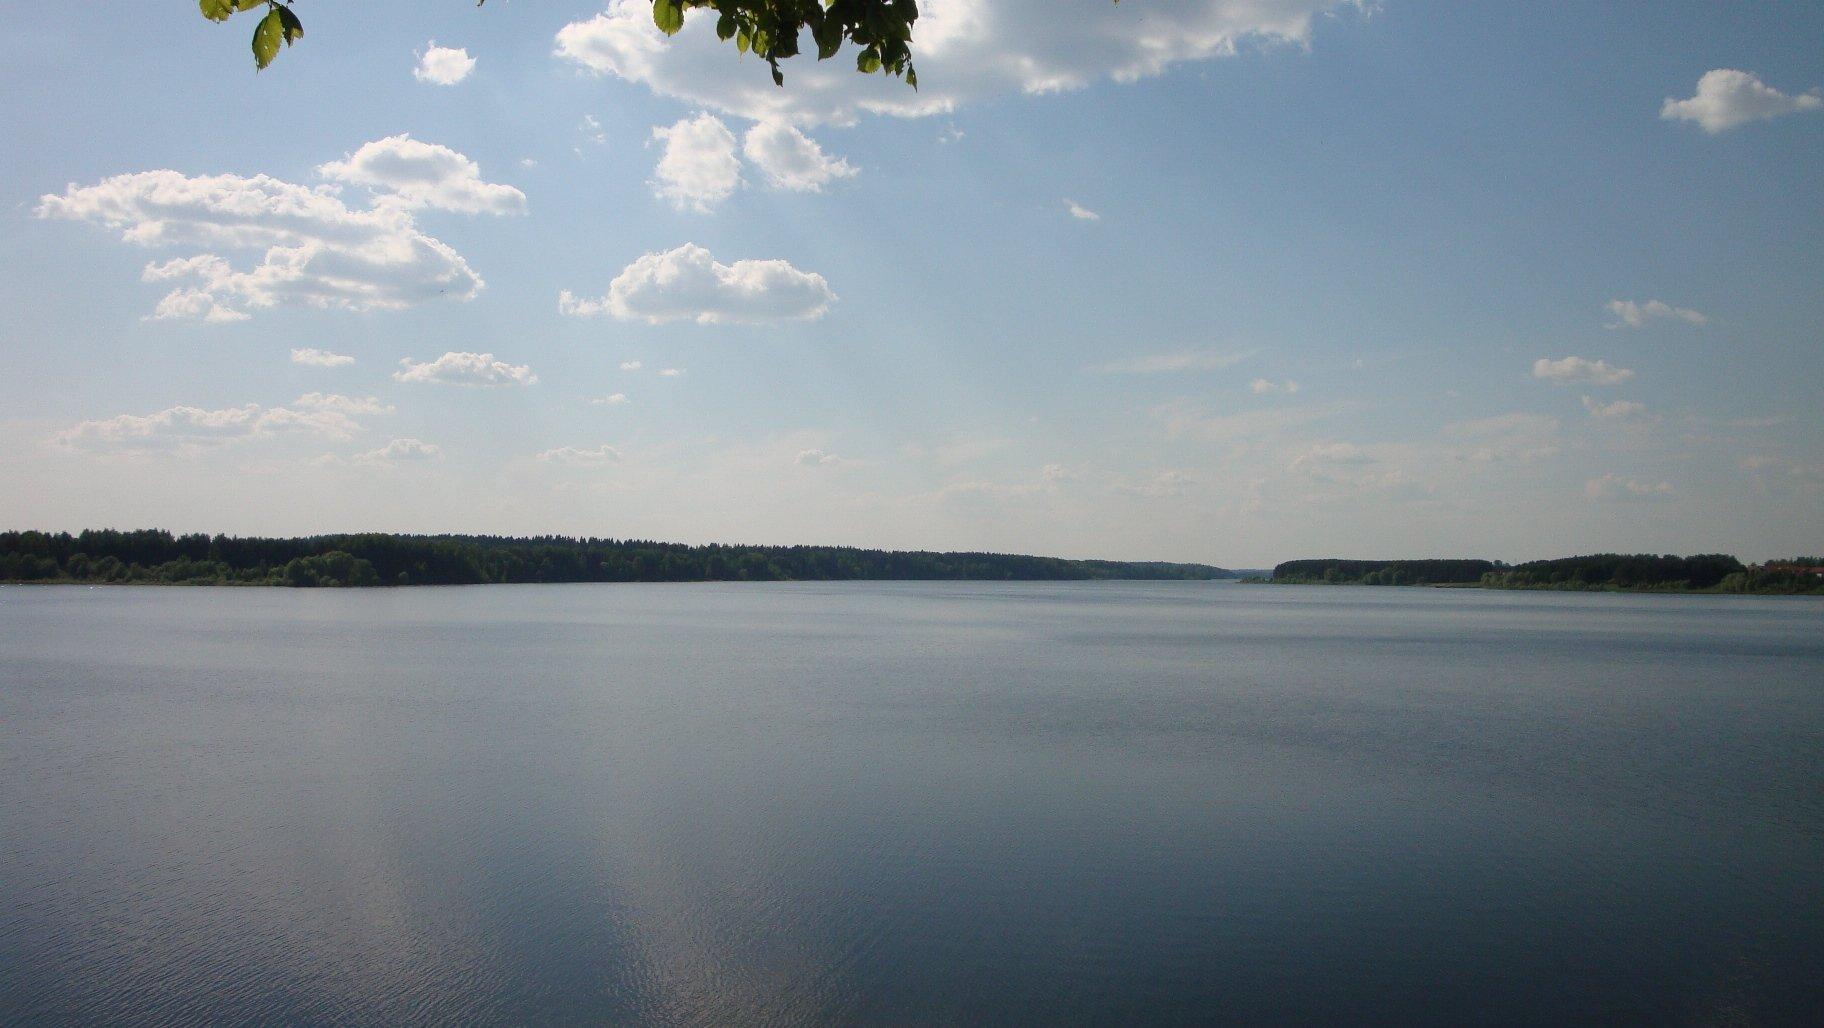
(909, 802)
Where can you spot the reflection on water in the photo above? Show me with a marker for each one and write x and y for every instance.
(891, 802)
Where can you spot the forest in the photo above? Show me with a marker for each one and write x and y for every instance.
(1383, 572)
(1646, 572)
(156, 557)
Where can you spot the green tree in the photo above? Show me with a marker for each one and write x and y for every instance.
(770, 29)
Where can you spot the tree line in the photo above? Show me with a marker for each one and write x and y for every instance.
(1383, 572)
(1704, 572)
(156, 557)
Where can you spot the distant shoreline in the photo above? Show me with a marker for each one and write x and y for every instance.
(1718, 574)
(376, 560)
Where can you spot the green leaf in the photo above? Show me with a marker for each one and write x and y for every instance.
(725, 27)
(294, 29)
(868, 61)
(668, 15)
(743, 41)
(216, 10)
(267, 37)
(248, 5)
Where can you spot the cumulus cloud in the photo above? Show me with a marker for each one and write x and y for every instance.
(409, 173)
(699, 168)
(671, 373)
(572, 456)
(313, 357)
(1165, 363)
(816, 458)
(349, 405)
(1629, 314)
(187, 429)
(312, 248)
(688, 284)
(792, 160)
(469, 369)
(611, 400)
(397, 452)
(631, 365)
(1613, 411)
(442, 65)
(1615, 487)
(966, 50)
(1726, 98)
(1080, 212)
(1578, 369)
(1266, 386)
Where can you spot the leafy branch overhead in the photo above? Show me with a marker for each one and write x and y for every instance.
(770, 29)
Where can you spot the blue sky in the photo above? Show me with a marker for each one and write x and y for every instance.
(1202, 280)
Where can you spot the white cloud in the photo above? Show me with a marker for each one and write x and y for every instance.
(1615, 487)
(443, 66)
(1629, 314)
(397, 452)
(472, 369)
(1164, 363)
(966, 50)
(574, 457)
(591, 130)
(1616, 410)
(1726, 98)
(611, 400)
(1266, 386)
(687, 284)
(313, 357)
(314, 250)
(1578, 369)
(1080, 212)
(1058, 473)
(699, 168)
(409, 173)
(337, 403)
(631, 365)
(671, 373)
(816, 458)
(186, 429)
(792, 160)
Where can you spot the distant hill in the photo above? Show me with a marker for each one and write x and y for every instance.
(155, 557)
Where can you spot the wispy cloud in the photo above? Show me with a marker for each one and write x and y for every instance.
(1174, 362)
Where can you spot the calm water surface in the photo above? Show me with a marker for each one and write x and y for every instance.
(898, 802)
